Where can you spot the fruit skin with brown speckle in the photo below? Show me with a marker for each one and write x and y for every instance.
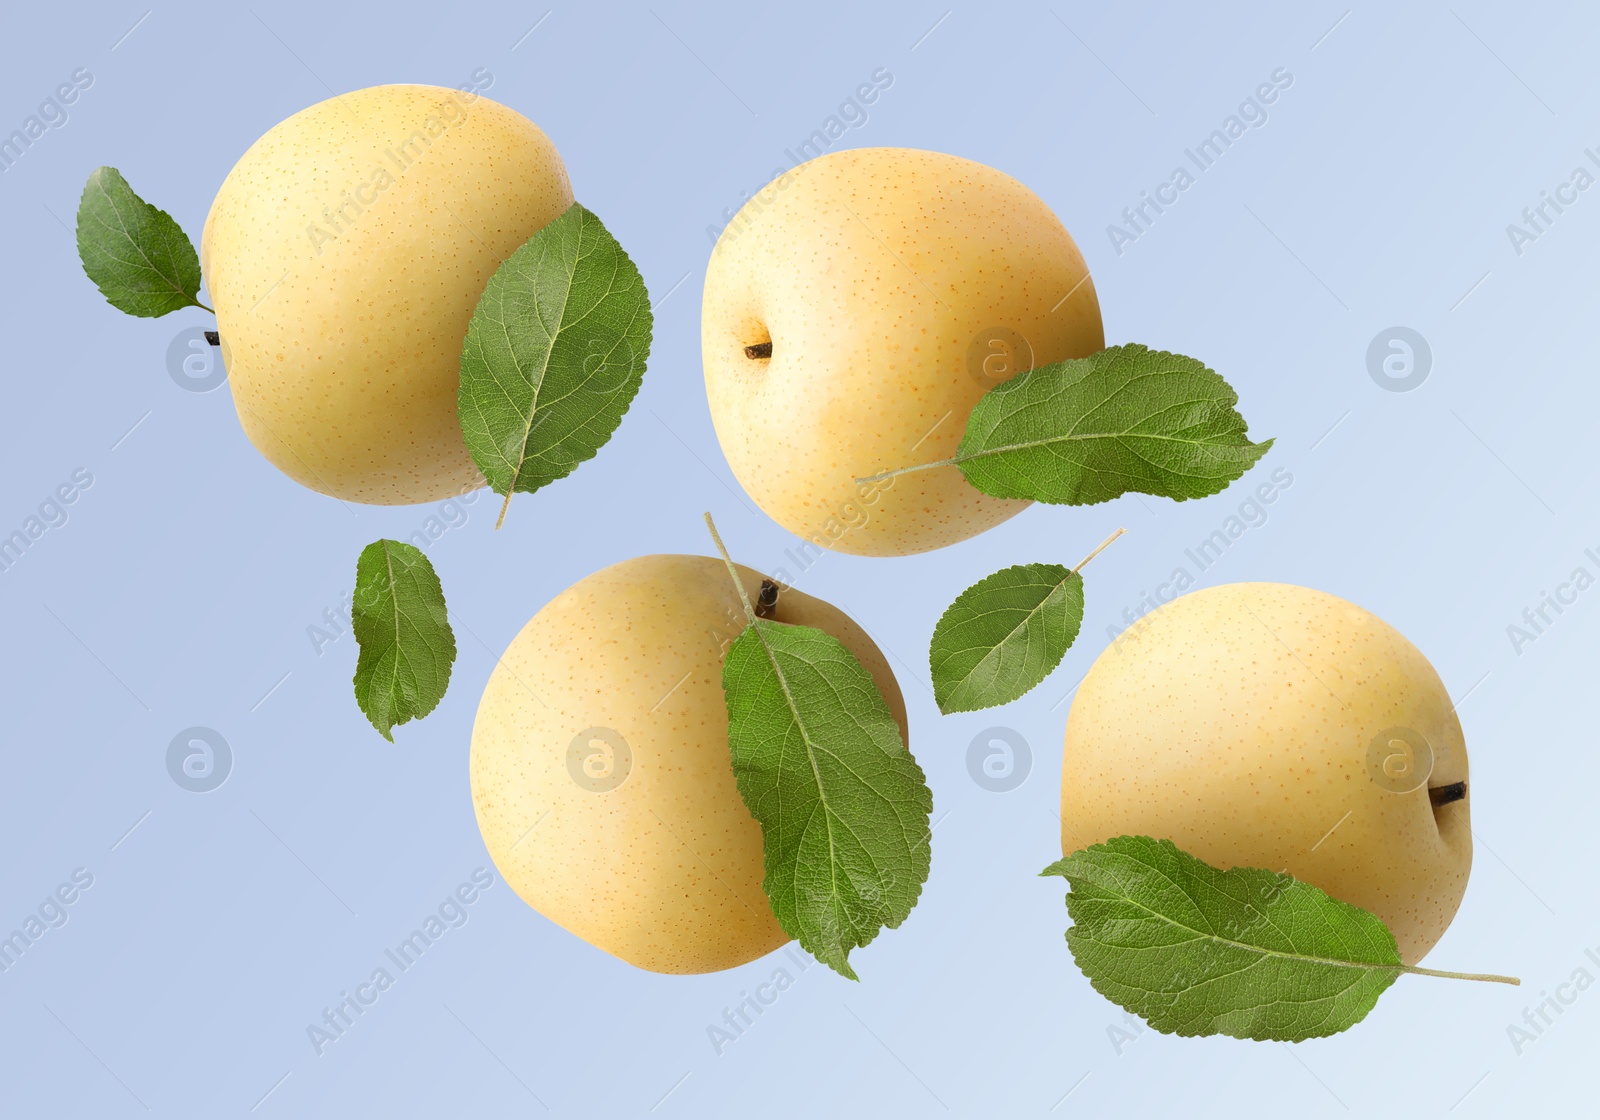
(601, 772)
(893, 286)
(1239, 723)
(344, 254)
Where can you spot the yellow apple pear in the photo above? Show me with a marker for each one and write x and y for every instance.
(855, 310)
(601, 772)
(345, 254)
(1267, 725)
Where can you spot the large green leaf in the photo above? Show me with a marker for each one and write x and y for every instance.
(1246, 952)
(400, 623)
(138, 257)
(1003, 635)
(843, 806)
(554, 354)
(1091, 429)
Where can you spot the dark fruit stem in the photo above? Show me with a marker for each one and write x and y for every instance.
(214, 338)
(1444, 795)
(767, 601)
(759, 350)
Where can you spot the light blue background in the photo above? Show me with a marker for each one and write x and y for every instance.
(179, 591)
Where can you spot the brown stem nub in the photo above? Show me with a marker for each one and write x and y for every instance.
(767, 601)
(214, 338)
(759, 350)
(1444, 795)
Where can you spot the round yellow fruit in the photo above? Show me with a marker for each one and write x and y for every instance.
(1266, 725)
(344, 254)
(894, 288)
(601, 773)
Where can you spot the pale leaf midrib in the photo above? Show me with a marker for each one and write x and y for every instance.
(994, 648)
(816, 773)
(544, 369)
(1260, 950)
(131, 240)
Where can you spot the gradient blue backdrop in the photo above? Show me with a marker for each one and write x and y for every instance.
(179, 590)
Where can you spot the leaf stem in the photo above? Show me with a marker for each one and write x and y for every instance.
(907, 470)
(203, 307)
(1099, 548)
(505, 505)
(733, 572)
(1488, 977)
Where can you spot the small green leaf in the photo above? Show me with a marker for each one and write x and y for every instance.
(1248, 953)
(1003, 635)
(1091, 429)
(843, 806)
(554, 355)
(1006, 633)
(138, 257)
(400, 623)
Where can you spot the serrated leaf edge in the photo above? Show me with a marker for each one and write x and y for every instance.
(449, 669)
(584, 213)
(94, 182)
(1020, 381)
(1061, 867)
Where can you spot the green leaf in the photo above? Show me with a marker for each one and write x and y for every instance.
(1006, 633)
(407, 646)
(138, 257)
(1248, 953)
(1003, 635)
(554, 355)
(1091, 429)
(843, 806)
